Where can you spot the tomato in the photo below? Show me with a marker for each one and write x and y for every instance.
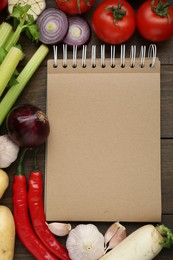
(114, 21)
(152, 23)
(3, 4)
(74, 6)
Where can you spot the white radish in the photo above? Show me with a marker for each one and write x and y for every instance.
(143, 244)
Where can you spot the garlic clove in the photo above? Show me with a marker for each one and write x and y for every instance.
(119, 236)
(59, 229)
(111, 231)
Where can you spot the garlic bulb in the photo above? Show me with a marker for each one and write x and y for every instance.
(37, 6)
(8, 151)
(85, 242)
(59, 229)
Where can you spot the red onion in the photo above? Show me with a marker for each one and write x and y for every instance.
(78, 31)
(27, 126)
(53, 25)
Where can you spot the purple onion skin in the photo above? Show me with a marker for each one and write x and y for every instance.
(27, 126)
(59, 21)
(79, 22)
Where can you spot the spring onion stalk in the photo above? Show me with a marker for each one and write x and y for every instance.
(8, 66)
(5, 31)
(23, 78)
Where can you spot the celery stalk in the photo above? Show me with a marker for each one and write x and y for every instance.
(8, 66)
(23, 78)
(14, 39)
(5, 31)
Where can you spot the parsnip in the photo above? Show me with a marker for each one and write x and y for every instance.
(7, 233)
(143, 244)
(4, 182)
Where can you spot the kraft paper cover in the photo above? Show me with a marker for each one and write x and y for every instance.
(103, 152)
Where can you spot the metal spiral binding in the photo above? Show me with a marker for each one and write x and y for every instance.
(113, 56)
(84, 52)
(133, 56)
(142, 56)
(123, 56)
(55, 55)
(152, 54)
(74, 64)
(93, 56)
(103, 56)
(64, 59)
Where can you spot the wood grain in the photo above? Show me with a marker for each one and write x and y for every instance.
(35, 93)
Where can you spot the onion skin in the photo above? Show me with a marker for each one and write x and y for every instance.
(27, 126)
(53, 26)
(80, 25)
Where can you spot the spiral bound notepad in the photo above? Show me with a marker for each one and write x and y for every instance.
(103, 152)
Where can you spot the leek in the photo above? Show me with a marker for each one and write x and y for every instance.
(5, 31)
(8, 66)
(23, 78)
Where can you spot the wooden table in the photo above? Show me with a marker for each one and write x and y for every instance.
(35, 93)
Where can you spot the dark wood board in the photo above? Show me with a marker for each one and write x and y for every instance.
(35, 93)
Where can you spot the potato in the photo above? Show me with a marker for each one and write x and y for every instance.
(7, 233)
(4, 182)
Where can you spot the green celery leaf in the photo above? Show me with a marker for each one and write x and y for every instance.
(19, 11)
(13, 81)
(33, 30)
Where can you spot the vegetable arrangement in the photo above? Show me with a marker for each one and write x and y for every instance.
(113, 22)
(10, 56)
(143, 244)
(56, 27)
(43, 245)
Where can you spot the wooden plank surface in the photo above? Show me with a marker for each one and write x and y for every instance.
(35, 93)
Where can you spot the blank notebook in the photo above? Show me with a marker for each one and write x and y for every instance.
(103, 152)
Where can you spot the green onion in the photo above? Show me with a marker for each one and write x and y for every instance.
(8, 66)
(5, 31)
(23, 78)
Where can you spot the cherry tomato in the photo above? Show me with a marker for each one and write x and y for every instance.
(114, 21)
(74, 6)
(3, 4)
(155, 20)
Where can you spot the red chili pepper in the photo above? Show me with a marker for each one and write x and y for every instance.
(36, 207)
(22, 222)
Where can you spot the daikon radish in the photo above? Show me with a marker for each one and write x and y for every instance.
(143, 244)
